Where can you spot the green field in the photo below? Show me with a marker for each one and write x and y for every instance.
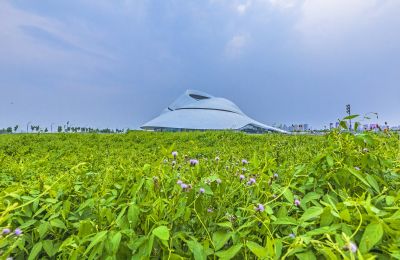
(123, 196)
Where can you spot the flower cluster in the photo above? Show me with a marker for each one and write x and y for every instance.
(183, 185)
(7, 231)
(260, 208)
(251, 181)
(352, 247)
(193, 162)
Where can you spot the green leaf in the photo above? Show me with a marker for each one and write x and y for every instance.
(256, 249)
(99, 237)
(350, 117)
(327, 252)
(288, 195)
(220, 238)
(43, 228)
(310, 196)
(161, 232)
(133, 215)
(57, 223)
(27, 224)
(311, 212)
(322, 231)
(329, 160)
(85, 228)
(326, 217)
(358, 176)
(225, 224)
(146, 168)
(343, 124)
(35, 251)
(115, 240)
(285, 221)
(49, 247)
(374, 184)
(229, 253)
(197, 249)
(345, 215)
(371, 236)
(308, 255)
(356, 125)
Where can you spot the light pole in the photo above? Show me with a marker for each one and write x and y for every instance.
(348, 111)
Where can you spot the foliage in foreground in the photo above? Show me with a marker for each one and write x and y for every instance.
(222, 196)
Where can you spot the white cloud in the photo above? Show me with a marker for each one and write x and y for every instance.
(234, 47)
(283, 3)
(241, 8)
(17, 47)
(331, 22)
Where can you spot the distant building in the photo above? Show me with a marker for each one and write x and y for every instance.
(196, 110)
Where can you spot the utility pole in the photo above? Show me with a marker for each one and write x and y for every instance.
(348, 111)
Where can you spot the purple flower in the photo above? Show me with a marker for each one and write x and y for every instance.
(184, 186)
(244, 162)
(276, 175)
(251, 181)
(18, 231)
(241, 177)
(209, 210)
(218, 181)
(260, 207)
(202, 190)
(174, 154)
(193, 162)
(352, 247)
(6, 231)
(179, 182)
(291, 235)
(297, 202)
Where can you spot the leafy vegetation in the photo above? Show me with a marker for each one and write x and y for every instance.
(220, 195)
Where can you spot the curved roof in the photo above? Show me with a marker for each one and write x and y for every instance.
(198, 110)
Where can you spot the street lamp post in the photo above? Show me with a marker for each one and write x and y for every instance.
(348, 111)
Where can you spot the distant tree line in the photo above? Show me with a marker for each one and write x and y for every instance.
(62, 129)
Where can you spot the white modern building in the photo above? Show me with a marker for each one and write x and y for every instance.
(196, 110)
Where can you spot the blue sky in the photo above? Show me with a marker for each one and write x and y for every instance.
(119, 63)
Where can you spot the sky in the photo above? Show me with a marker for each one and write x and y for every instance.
(119, 63)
